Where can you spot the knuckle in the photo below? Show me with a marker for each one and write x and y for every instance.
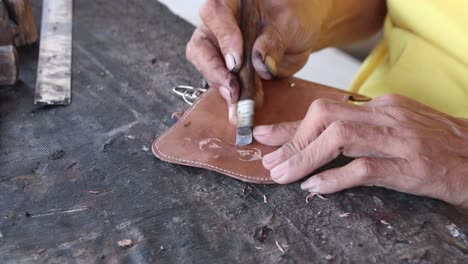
(208, 9)
(342, 129)
(302, 159)
(322, 110)
(225, 38)
(320, 106)
(289, 149)
(189, 51)
(193, 46)
(390, 98)
(365, 167)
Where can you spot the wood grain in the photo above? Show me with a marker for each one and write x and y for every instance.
(21, 13)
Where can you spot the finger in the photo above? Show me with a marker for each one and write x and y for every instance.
(270, 59)
(277, 134)
(360, 172)
(343, 137)
(291, 64)
(320, 115)
(220, 18)
(268, 50)
(203, 53)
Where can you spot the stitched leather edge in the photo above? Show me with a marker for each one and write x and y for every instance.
(167, 157)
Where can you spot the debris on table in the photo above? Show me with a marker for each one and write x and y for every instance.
(177, 115)
(455, 232)
(344, 215)
(329, 257)
(93, 192)
(265, 199)
(312, 195)
(1, 235)
(145, 148)
(280, 247)
(386, 223)
(125, 243)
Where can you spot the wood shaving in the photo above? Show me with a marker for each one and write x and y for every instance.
(177, 115)
(280, 247)
(386, 223)
(312, 195)
(344, 214)
(125, 243)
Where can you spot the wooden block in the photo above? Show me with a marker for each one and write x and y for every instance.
(8, 65)
(20, 12)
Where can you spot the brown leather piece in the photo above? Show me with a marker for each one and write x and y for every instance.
(204, 138)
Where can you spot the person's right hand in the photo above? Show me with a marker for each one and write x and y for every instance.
(289, 30)
(287, 33)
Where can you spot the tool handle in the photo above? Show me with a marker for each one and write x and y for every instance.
(248, 27)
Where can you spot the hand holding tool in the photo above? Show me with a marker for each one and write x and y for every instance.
(247, 74)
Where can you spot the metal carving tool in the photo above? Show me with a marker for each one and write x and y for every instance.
(247, 74)
(53, 86)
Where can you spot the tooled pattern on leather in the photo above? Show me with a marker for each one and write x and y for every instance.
(178, 124)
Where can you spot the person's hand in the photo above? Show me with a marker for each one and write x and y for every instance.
(289, 30)
(397, 143)
(286, 37)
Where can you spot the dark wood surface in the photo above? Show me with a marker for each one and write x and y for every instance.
(75, 180)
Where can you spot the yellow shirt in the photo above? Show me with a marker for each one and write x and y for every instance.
(423, 55)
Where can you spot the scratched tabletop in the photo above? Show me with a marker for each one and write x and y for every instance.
(76, 180)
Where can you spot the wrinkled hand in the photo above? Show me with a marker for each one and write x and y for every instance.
(286, 34)
(398, 143)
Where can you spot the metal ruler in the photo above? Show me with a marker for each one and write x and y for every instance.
(53, 86)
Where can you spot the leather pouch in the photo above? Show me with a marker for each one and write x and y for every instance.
(203, 136)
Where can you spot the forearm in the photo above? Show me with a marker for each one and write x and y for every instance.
(347, 21)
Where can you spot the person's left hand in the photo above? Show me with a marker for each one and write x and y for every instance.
(398, 143)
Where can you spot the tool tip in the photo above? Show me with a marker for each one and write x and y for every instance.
(244, 136)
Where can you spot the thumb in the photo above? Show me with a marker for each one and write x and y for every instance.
(268, 51)
(277, 134)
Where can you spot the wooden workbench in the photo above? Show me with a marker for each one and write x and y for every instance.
(76, 180)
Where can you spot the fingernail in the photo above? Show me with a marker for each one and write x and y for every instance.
(279, 171)
(270, 64)
(225, 93)
(230, 62)
(311, 185)
(260, 131)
